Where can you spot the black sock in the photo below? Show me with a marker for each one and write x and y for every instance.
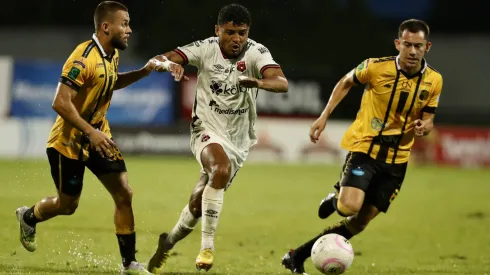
(30, 218)
(127, 248)
(304, 252)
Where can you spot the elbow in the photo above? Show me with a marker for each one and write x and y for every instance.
(285, 87)
(57, 106)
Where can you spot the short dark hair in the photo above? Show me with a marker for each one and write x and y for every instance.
(414, 25)
(105, 9)
(235, 13)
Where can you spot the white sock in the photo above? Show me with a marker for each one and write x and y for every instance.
(184, 226)
(212, 202)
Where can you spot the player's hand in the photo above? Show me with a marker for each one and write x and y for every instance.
(422, 127)
(101, 143)
(248, 82)
(317, 128)
(175, 69)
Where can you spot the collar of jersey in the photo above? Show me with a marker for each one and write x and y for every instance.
(99, 46)
(422, 70)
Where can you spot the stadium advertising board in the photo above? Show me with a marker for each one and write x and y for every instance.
(5, 79)
(171, 140)
(149, 101)
(467, 147)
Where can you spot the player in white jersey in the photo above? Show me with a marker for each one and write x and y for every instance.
(232, 69)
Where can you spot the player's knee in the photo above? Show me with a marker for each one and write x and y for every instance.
(220, 175)
(68, 209)
(347, 208)
(124, 197)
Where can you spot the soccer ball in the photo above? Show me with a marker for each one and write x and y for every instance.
(332, 254)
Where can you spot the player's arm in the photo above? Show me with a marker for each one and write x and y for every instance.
(270, 76)
(127, 78)
(189, 54)
(63, 105)
(339, 92)
(425, 124)
(172, 56)
(359, 75)
(273, 80)
(76, 72)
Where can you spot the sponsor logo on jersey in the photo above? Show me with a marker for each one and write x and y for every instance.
(225, 89)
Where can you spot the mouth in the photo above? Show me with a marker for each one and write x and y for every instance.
(235, 48)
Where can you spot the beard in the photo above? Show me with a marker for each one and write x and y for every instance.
(119, 44)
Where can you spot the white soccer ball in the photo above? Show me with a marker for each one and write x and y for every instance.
(332, 254)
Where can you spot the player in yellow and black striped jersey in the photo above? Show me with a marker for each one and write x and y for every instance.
(399, 101)
(81, 137)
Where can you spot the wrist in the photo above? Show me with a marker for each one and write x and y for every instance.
(260, 83)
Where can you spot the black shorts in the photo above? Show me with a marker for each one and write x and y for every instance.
(68, 173)
(380, 181)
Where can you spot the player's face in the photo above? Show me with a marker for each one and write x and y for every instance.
(119, 30)
(232, 38)
(412, 47)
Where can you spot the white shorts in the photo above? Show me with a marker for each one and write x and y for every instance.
(199, 140)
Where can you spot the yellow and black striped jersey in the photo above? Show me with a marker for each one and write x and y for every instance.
(92, 74)
(391, 102)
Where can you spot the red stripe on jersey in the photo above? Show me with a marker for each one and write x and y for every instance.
(267, 67)
(182, 54)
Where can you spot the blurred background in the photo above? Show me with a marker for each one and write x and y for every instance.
(273, 202)
(316, 42)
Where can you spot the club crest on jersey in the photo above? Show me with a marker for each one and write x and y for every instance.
(240, 66)
(205, 138)
(424, 94)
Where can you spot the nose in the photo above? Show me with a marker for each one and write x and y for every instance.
(129, 30)
(413, 51)
(236, 38)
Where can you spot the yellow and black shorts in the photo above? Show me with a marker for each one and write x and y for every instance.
(68, 173)
(379, 180)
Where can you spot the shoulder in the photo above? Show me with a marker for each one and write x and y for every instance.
(381, 61)
(256, 47)
(84, 49)
(433, 73)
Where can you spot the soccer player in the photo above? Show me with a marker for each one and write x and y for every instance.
(81, 137)
(232, 69)
(399, 102)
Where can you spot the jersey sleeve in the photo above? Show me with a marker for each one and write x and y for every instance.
(362, 74)
(434, 99)
(76, 70)
(192, 53)
(263, 59)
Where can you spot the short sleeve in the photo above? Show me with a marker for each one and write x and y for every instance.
(434, 99)
(76, 70)
(263, 59)
(192, 53)
(362, 74)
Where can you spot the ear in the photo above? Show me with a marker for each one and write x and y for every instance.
(429, 45)
(397, 44)
(216, 30)
(105, 28)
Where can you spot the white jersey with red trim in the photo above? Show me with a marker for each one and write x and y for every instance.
(221, 104)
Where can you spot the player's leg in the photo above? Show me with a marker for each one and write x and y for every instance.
(188, 219)
(348, 227)
(67, 175)
(113, 175)
(358, 172)
(217, 166)
(348, 200)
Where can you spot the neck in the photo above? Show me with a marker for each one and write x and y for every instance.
(411, 70)
(105, 43)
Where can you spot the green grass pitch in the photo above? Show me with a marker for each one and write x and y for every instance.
(439, 223)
